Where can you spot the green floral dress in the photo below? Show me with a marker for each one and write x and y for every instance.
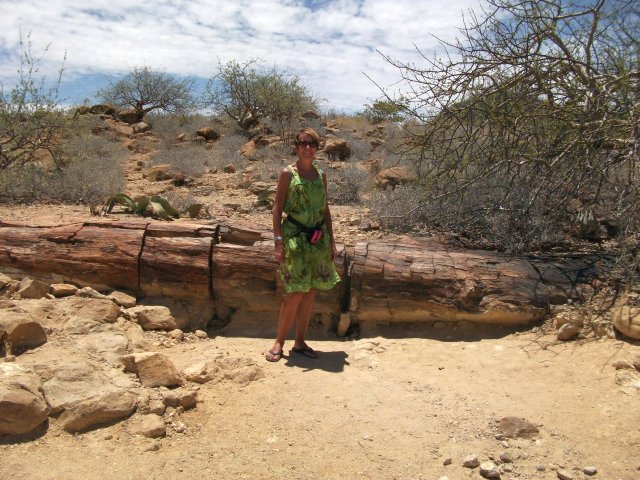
(306, 265)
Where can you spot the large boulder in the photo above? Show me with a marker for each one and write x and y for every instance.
(102, 109)
(626, 319)
(152, 317)
(99, 410)
(394, 176)
(130, 116)
(208, 133)
(337, 148)
(73, 380)
(22, 404)
(153, 369)
(158, 173)
(32, 288)
(19, 330)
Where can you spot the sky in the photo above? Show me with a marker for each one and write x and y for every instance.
(332, 45)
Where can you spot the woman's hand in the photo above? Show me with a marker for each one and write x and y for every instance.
(334, 250)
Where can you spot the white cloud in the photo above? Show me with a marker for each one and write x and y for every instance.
(328, 43)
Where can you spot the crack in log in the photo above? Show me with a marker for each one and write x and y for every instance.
(145, 232)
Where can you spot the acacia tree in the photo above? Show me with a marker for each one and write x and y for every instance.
(145, 90)
(248, 94)
(32, 120)
(533, 109)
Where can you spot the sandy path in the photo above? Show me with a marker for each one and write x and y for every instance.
(392, 405)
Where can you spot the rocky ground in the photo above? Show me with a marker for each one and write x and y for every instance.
(395, 402)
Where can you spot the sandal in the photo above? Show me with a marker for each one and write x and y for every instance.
(272, 356)
(306, 351)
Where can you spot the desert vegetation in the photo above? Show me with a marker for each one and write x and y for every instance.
(522, 138)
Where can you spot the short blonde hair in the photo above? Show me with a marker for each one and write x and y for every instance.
(307, 131)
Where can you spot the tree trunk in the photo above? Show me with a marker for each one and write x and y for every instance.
(231, 268)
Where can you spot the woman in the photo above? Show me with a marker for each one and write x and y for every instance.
(303, 242)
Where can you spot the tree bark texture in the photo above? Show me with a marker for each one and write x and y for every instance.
(232, 268)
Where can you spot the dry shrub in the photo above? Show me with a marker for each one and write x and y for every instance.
(89, 181)
(189, 159)
(91, 172)
(391, 206)
(347, 184)
(226, 151)
(168, 127)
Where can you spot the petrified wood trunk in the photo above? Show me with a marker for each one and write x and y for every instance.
(227, 269)
(422, 280)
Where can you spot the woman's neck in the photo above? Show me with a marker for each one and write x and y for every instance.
(304, 166)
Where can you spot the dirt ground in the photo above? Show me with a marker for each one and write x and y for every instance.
(400, 402)
(397, 402)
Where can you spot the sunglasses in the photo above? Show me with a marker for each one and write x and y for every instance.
(304, 143)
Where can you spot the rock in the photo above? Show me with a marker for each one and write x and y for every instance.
(9, 288)
(157, 407)
(152, 317)
(103, 109)
(248, 149)
(568, 331)
(394, 176)
(88, 292)
(603, 329)
(507, 457)
(636, 362)
(4, 280)
(470, 461)
(564, 475)
(208, 133)
(59, 290)
(567, 317)
(180, 397)
(153, 369)
(19, 330)
(176, 334)
(622, 364)
(120, 128)
(72, 380)
(123, 299)
(626, 320)
(140, 127)
(158, 173)
(337, 148)
(238, 370)
(590, 471)
(229, 168)
(79, 315)
(489, 470)
(447, 461)
(109, 345)
(130, 116)
(98, 410)
(22, 404)
(516, 427)
(201, 334)
(149, 426)
(628, 378)
(31, 288)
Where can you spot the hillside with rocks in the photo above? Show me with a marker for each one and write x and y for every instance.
(158, 371)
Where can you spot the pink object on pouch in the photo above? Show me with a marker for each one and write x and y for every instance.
(315, 237)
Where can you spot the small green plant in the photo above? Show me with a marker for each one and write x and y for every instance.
(154, 205)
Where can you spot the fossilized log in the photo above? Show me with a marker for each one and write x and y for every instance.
(233, 268)
(426, 280)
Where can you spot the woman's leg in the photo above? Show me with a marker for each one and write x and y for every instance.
(288, 309)
(304, 316)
